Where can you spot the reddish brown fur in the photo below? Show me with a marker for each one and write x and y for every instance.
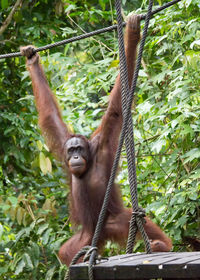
(87, 191)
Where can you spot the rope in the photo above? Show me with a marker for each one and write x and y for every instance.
(87, 35)
(138, 214)
(129, 137)
(126, 119)
(136, 219)
(87, 250)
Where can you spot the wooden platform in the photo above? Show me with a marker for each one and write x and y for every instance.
(143, 266)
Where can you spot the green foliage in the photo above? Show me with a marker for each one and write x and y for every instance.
(167, 123)
(34, 218)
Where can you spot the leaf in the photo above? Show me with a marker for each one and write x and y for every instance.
(192, 154)
(197, 42)
(47, 204)
(138, 135)
(96, 112)
(192, 57)
(144, 107)
(114, 63)
(34, 252)
(174, 214)
(193, 196)
(196, 174)
(45, 163)
(20, 234)
(142, 73)
(70, 8)
(46, 235)
(1, 231)
(48, 164)
(70, 127)
(13, 212)
(20, 266)
(50, 273)
(13, 200)
(186, 129)
(28, 261)
(180, 199)
(157, 146)
(182, 221)
(160, 210)
(39, 145)
(103, 4)
(20, 215)
(5, 207)
(8, 130)
(4, 4)
(161, 39)
(3, 270)
(42, 228)
(42, 161)
(174, 123)
(25, 219)
(187, 3)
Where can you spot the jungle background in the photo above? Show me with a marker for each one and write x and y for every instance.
(34, 217)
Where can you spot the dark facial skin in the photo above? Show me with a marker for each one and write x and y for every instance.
(76, 155)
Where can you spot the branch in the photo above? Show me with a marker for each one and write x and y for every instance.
(10, 16)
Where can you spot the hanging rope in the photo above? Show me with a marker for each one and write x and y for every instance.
(83, 36)
(137, 219)
(138, 214)
(126, 120)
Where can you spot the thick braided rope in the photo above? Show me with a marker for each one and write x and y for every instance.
(83, 36)
(136, 221)
(85, 251)
(102, 214)
(129, 137)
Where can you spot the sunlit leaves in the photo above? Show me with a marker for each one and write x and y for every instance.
(20, 266)
(157, 146)
(45, 163)
(193, 58)
(191, 155)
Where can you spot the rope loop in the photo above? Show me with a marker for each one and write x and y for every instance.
(89, 253)
(140, 213)
(82, 252)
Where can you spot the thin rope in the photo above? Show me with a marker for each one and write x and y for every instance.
(87, 35)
